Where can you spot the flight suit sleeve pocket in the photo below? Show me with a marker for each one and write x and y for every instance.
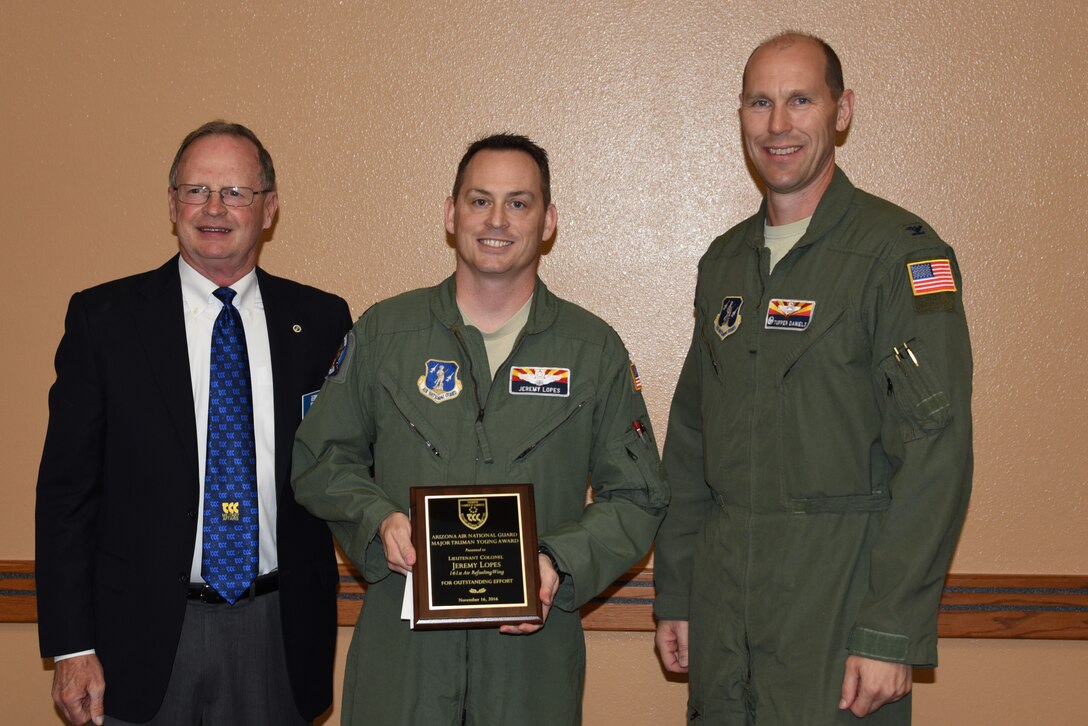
(917, 393)
(643, 476)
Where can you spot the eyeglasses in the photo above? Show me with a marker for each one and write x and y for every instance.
(231, 196)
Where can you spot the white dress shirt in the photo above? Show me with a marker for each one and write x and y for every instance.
(201, 310)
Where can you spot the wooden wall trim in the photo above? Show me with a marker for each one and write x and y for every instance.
(1050, 607)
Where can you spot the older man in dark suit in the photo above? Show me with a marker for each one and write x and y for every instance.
(178, 580)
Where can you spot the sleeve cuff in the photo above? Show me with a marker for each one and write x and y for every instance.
(66, 656)
(878, 645)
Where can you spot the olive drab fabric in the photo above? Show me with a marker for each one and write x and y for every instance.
(410, 403)
(819, 453)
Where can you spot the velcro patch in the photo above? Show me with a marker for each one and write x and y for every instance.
(789, 314)
(439, 381)
(341, 357)
(308, 400)
(930, 276)
(941, 303)
(537, 381)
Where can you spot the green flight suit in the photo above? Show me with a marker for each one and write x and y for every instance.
(819, 454)
(380, 427)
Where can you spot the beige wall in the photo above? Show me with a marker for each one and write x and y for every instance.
(971, 113)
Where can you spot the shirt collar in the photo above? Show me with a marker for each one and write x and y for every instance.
(196, 290)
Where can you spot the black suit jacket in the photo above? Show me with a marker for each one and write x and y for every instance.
(118, 486)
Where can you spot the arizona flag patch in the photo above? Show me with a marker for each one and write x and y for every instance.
(540, 381)
(789, 314)
(930, 276)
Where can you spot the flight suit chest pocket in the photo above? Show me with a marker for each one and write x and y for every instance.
(407, 425)
(553, 427)
(916, 391)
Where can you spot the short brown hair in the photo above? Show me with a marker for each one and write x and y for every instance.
(508, 142)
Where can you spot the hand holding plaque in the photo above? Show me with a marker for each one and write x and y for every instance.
(476, 556)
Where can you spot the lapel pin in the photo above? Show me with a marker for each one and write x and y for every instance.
(297, 328)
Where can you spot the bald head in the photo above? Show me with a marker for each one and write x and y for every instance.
(832, 65)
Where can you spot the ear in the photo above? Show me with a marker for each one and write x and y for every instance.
(448, 214)
(172, 204)
(271, 204)
(551, 219)
(846, 111)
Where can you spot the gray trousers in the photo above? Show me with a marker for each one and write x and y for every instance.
(229, 670)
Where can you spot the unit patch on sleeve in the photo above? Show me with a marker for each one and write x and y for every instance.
(308, 400)
(728, 319)
(789, 314)
(525, 381)
(930, 276)
(439, 381)
(346, 347)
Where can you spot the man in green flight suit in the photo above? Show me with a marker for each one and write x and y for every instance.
(819, 443)
(446, 386)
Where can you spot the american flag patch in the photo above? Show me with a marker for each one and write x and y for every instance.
(930, 276)
(635, 380)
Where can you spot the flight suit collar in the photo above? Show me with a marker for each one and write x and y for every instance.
(829, 213)
(542, 314)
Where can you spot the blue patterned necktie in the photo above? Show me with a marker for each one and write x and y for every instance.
(230, 555)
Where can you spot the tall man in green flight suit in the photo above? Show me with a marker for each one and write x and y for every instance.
(819, 443)
(435, 387)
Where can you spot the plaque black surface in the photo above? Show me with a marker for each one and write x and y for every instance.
(476, 556)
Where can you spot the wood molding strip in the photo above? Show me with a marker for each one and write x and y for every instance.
(1044, 607)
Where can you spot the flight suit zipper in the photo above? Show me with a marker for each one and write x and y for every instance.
(481, 433)
(411, 425)
(552, 430)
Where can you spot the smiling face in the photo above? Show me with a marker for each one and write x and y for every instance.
(218, 241)
(499, 218)
(790, 119)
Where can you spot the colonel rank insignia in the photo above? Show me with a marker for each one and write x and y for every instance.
(728, 319)
(439, 381)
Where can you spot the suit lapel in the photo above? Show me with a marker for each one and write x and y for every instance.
(278, 306)
(160, 324)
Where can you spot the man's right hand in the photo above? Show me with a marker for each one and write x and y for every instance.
(78, 688)
(672, 644)
(396, 533)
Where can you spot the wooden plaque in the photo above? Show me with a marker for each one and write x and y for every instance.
(476, 556)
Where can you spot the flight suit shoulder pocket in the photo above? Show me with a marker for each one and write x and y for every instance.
(916, 390)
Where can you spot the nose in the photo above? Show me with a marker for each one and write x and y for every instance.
(215, 205)
(779, 122)
(496, 217)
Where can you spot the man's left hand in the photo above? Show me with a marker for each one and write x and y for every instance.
(868, 684)
(549, 585)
